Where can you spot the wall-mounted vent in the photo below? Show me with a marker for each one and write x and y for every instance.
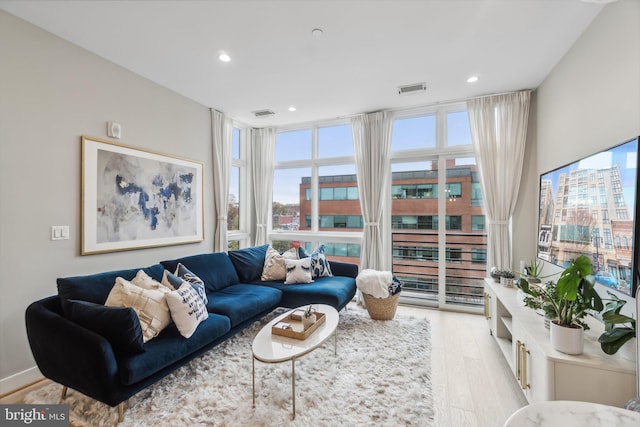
(411, 89)
(263, 113)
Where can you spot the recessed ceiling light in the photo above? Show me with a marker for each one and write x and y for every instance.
(317, 32)
(472, 79)
(224, 57)
(292, 108)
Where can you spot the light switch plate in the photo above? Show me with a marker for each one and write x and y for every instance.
(59, 232)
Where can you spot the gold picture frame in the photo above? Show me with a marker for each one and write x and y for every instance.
(136, 199)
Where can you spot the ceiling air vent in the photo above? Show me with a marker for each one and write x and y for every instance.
(411, 89)
(263, 113)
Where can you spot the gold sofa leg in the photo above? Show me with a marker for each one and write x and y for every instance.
(63, 395)
(120, 412)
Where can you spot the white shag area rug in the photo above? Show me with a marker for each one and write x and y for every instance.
(380, 376)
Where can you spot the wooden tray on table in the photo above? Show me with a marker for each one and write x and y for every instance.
(291, 326)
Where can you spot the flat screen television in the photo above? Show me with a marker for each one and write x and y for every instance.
(588, 207)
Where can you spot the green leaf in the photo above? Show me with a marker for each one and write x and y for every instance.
(617, 318)
(610, 346)
(569, 281)
(615, 334)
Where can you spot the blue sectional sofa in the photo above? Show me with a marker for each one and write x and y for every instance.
(78, 342)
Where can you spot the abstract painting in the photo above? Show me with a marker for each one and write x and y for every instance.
(135, 199)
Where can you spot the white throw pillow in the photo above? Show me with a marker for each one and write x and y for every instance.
(187, 309)
(188, 276)
(298, 271)
(274, 267)
(149, 304)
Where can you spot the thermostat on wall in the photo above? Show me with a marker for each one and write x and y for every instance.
(114, 130)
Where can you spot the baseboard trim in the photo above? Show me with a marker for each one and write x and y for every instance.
(19, 381)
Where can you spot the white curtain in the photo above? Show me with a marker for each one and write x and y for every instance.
(263, 149)
(221, 131)
(498, 130)
(372, 147)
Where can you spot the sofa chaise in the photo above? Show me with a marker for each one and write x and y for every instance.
(78, 342)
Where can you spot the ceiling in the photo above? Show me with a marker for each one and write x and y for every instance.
(367, 49)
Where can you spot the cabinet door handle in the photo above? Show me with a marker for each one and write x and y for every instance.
(518, 365)
(524, 383)
(487, 306)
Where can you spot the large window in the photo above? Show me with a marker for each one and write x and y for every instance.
(438, 231)
(315, 190)
(237, 218)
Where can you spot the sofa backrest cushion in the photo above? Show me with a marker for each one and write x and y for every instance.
(249, 262)
(215, 269)
(119, 325)
(96, 287)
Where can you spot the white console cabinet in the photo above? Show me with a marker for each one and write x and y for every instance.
(546, 374)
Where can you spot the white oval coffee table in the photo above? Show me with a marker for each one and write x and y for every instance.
(270, 348)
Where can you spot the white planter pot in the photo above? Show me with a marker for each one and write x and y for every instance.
(567, 340)
(507, 281)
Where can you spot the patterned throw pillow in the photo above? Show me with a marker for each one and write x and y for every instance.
(319, 263)
(197, 283)
(149, 304)
(274, 267)
(298, 271)
(187, 309)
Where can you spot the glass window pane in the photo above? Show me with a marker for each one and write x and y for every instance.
(340, 183)
(284, 245)
(340, 193)
(458, 130)
(233, 205)
(354, 221)
(288, 192)
(326, 193)
(235, 145)
(414, 133)
(326, 221)
(465, 236)
(335, 141)
(293, 145)
(352, 193)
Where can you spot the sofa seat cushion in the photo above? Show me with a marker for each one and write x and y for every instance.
(241, 302)
(169, 347)
(215, 269)
(96, 287)
(335, 291)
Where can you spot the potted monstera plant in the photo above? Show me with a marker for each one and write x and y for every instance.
(566, 302)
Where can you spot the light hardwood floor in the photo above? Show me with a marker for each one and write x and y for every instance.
(472, 384)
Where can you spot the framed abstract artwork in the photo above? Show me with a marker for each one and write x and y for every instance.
(135, 199)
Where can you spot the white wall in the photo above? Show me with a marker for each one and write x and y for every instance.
(589, 102)
(51, 93)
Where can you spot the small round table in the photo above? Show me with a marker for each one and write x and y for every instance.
(572, 414)
(271, 348)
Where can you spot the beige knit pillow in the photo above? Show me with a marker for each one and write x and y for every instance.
(145, 281)
(149, 304)
(274, 268)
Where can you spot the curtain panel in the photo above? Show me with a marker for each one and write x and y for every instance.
(372, 148)
(498, 131)
(221, 136)
(263, 149)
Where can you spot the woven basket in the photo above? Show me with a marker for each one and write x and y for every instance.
(381, 308)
